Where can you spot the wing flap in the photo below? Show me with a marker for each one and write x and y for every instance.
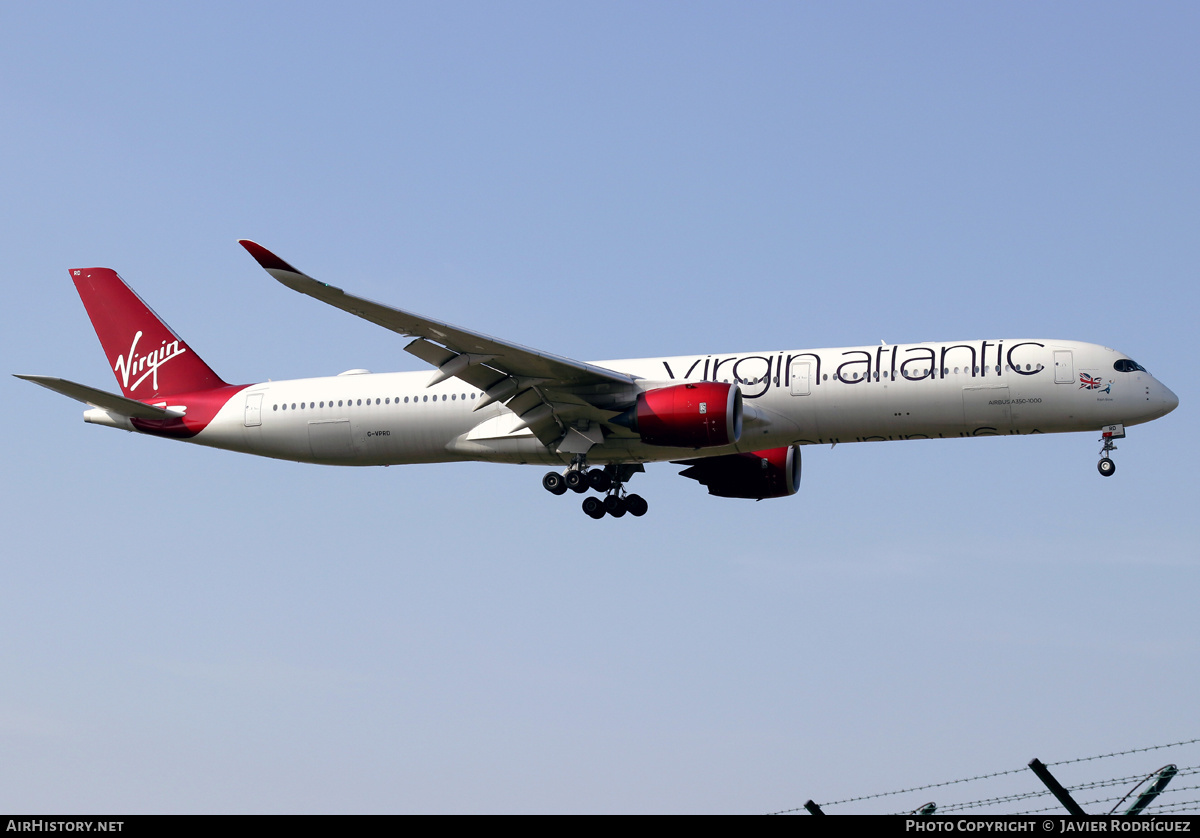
(430, 353)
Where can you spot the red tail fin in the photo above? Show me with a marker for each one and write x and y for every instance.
(148, 358)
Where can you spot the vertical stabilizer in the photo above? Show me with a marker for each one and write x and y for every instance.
(147, 357)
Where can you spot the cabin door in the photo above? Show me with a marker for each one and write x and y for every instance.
(801, 378)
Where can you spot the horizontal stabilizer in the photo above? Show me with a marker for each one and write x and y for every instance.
(98, 398)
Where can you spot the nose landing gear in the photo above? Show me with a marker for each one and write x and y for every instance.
(1106, 466)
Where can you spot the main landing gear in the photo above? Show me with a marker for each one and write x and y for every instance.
(609, 480)
(1106, 466)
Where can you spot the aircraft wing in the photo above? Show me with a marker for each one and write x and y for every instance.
(548, 392)
(99, 398)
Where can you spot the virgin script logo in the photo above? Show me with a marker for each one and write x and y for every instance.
(146, 365)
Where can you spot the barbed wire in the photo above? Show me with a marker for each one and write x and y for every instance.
(1012, 798)
(1123, 753)
(1190, 769)
(1015, 797)
(991, 801)
(916, 788)
(1175, 807)
(1168, 790)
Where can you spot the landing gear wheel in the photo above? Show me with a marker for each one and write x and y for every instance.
(636, 505)
(1106, 467)
(554, 484)
(615, 505)
(577, 481)
(594, 507)
(599, 480)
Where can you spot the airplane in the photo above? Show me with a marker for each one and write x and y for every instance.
(736, 421)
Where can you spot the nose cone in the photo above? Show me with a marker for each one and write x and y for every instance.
(1170, 401)
(1154, 402)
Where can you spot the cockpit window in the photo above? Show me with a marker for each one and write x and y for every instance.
(1126, 365)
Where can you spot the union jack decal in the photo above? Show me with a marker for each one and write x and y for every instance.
(1086, 382)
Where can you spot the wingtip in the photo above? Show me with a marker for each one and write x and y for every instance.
(268, 260)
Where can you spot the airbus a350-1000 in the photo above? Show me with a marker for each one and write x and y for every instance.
(736, 421)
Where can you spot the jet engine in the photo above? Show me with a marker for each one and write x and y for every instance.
(774, 473)
(700, 415)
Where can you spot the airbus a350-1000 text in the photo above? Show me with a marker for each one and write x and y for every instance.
(736, 421)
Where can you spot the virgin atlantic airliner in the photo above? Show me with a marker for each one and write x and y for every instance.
(736, 421)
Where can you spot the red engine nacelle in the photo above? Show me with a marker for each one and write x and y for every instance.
(700, 415)
(774, 473)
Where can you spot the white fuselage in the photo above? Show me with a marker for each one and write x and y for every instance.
(855, 394)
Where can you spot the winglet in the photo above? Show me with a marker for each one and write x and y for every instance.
(290, 276)
(266, 258)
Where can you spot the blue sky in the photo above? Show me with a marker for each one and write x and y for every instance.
(191, 631)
